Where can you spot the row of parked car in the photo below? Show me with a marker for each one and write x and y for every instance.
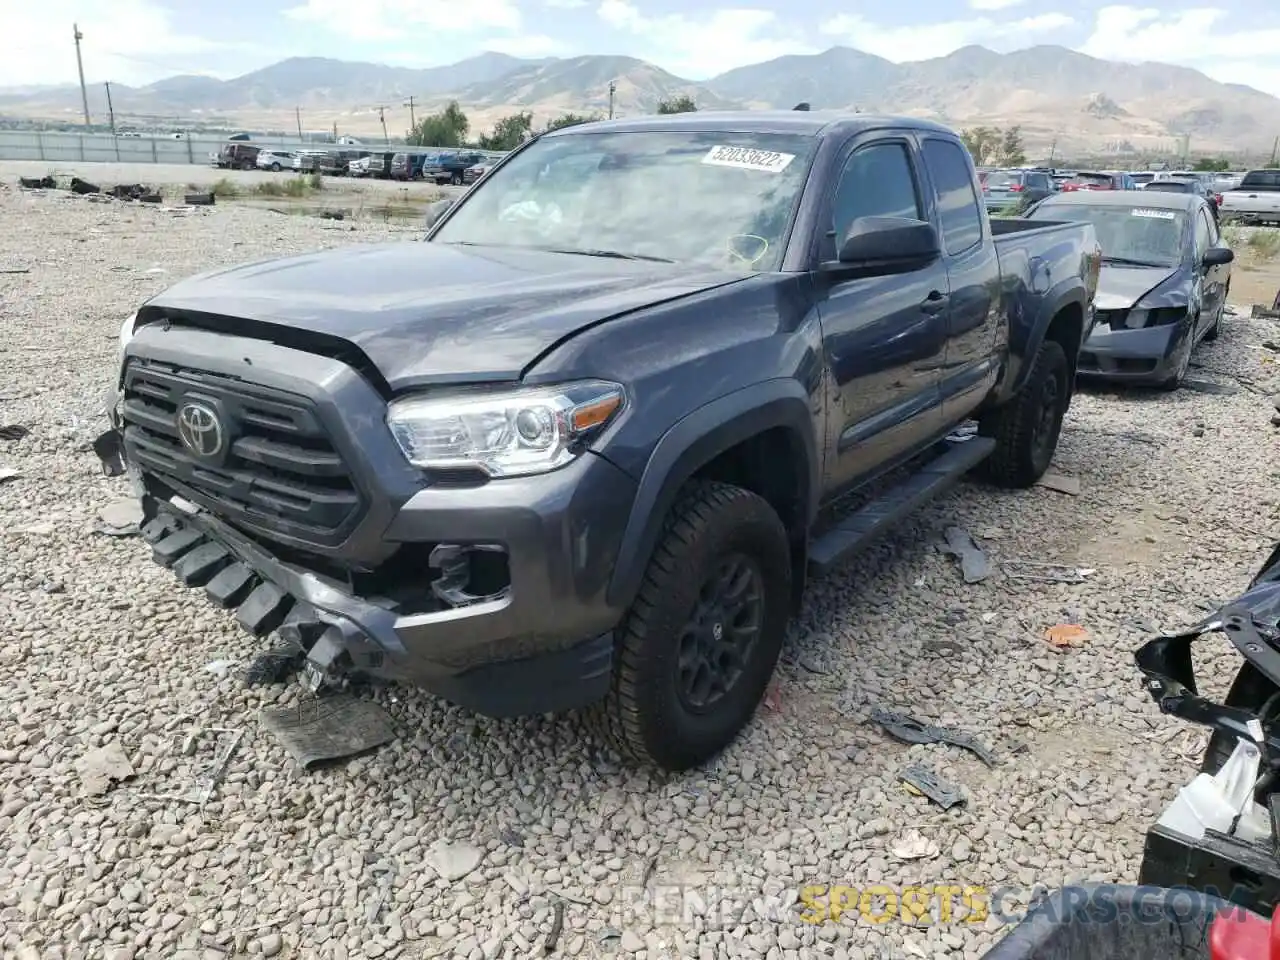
(1252, 197)
(439, 166)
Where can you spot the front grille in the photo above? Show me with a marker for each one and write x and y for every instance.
(277, 470)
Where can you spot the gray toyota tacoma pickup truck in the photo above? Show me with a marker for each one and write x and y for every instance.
(574, 447)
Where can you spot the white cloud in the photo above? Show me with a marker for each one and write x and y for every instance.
(1202, 38)
(926, 40)
(703, 46)
(376, 21)
(565, 4)
(994, 4)
(125, 41)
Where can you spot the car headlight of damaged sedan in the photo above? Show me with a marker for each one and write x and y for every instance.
(507, 433)
(1140, 317)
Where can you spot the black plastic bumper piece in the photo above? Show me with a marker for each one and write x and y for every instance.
(1241, 873)
(168, 550)
(264, 609)
(198, 567)
(230, 585)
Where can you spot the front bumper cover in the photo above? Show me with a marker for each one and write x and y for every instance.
(1144, 355)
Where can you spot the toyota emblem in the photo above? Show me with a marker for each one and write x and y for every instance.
(199, 429)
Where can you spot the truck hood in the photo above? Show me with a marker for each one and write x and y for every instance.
(426, 313)
(1119, 288)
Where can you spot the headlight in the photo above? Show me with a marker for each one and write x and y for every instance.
(509, 433)
(1139, 318)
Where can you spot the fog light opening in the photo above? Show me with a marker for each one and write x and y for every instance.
(470, 573)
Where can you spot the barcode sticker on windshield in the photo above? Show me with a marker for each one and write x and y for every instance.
(1154, 214)
(745, 158)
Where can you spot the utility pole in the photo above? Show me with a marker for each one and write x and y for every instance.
(111, 112)
(612, 89)
(84, 93)
(412, 121)
(297, 113)
(1053, 149)
(382, 115)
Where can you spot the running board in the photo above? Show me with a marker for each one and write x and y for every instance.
(870, 521)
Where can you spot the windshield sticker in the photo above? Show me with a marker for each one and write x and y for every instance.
(1154, 214)
(745, 158)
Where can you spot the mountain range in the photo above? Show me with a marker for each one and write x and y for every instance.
(1057, 96)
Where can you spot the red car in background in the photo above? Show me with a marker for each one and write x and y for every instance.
(1100, 181)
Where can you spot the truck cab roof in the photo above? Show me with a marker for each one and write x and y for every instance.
(814, 123)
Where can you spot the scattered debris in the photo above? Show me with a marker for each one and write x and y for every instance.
(199, 199)
(908, 729)
(649, 869)
(1045, 572)
(38, 183)
(1210, 386)
(121, 518)
(1055, 481)
(82, 187)
(929, 784)
(53, 586)
(1269, 313)
(1066, 635)
(15, 269)
(219, 668)
(772, 699)
(207, 782)
(1271, 345)
(14, 431)
(913, 845)
(453, 861)
(557, 925)
(974, 565)
(332, 214)
(98, 769)
(109, 448)
(329, 728)
(275, 665)
(8, 473)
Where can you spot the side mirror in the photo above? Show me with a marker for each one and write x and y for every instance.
(1218, 256)
(888, 240)
(438, 210)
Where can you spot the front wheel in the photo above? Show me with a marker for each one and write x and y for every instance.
(699, 644)
(275, 168)
(1027, 427)
(1174, 381)
(456, 179)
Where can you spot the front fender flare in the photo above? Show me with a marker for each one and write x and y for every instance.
(692, 443)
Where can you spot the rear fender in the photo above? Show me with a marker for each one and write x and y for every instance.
(694, 442)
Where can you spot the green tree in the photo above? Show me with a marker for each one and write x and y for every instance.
(572, 120)
(448, 128)
(983, 143)
(681, 104)
(508, 133)
(1012, 153)
(1212, 164)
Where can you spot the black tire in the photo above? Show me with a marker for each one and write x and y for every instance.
(275, 168)
(1026, 428)
(1250, 690)
(456, 179)
(1213, 332)
(1184, 366)
(648, 716)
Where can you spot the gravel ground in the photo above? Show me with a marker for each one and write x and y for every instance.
(102, 646)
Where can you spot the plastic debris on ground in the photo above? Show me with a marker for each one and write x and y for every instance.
(100, 768)
(1045, 572)
(974, 565)
(1064, 636)
(1056, 481)
(329, 728)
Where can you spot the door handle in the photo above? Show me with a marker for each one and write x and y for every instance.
(935, 302)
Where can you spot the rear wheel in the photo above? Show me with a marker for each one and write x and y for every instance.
(1026, 428)
(699, 645)
(275, 168)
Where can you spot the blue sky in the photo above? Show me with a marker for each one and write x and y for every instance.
(137, 41)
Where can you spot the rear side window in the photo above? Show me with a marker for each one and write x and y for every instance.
(1261, 178)
(957, 202)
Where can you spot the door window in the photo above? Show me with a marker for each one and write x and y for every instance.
(877, 181)
(1214, 235)
(957, 201)
(1203, 235)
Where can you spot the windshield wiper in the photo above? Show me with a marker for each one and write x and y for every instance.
(611, 254)
(1130, 262)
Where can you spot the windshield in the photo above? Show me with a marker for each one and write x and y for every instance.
(1129, 236)
(1171, 186)
(711, 197)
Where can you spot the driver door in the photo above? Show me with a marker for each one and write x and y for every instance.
(884, 337)
(1213, 279)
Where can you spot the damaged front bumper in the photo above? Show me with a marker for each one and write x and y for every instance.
(542, 643)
